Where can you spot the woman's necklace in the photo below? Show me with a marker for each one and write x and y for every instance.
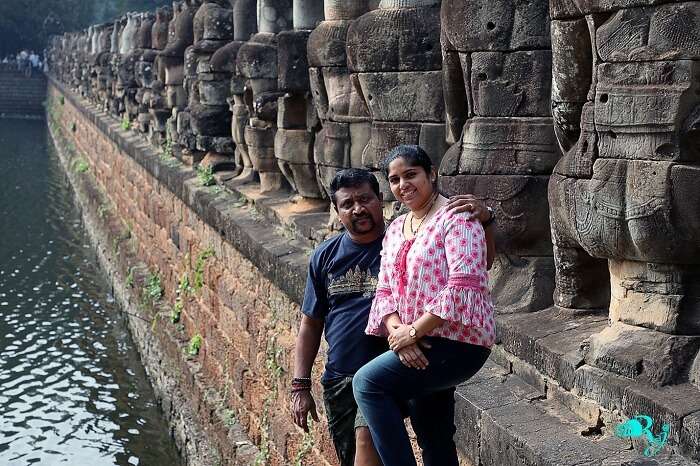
(421, 219)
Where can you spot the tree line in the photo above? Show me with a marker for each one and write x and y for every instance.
(26, 24)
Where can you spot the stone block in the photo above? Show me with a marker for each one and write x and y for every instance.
(257, 58)
(397, 39)
(214, 92)
(651, 33)
(502, 26)
(511, 196)
(404, 96)
(513, 84)
(292, 64)
(326, 44)
(508, 146)
(387, 135)
(642, 354)
(292, 111)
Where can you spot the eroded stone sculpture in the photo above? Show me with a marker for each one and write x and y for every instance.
(244, 26)
(497, 66)
(157, 108)
(395, 60)
(297, 120)
(345, 122)
(624, 198)
(257, 62)
(210, 117)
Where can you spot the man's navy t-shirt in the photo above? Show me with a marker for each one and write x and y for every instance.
(339, 289)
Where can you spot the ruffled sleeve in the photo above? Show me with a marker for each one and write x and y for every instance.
(384, 302)
(466, 299)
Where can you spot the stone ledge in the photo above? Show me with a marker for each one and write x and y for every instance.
(543, 348)
(501, 420)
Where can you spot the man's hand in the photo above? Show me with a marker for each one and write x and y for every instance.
(399, 337)
(303, 403)
(412, 356)
(469, 203)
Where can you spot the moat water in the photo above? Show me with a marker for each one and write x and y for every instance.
(72, 388)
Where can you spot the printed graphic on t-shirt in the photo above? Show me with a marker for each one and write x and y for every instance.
(354, 281)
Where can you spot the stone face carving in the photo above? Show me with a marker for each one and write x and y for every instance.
(344, 116)
(497, 68)
(257, 63)
(395, 60)
(297, 119)
(624, 199)
(126, 68)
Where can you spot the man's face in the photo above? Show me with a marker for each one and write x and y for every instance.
(359, 210)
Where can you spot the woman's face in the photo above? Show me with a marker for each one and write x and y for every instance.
(410, 185)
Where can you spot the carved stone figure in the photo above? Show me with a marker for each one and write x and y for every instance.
(395, 60)
(181, 36)
(209, 110)
(159, 112)
(497, 68)
(145, 57)
(244, 26)
(126, 76)
(343, 113)
(297, 120)
(624, 198)
(257, 62)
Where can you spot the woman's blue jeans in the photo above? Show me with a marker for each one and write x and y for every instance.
(384, 384)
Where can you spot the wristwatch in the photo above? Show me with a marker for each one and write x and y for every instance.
(412, 332)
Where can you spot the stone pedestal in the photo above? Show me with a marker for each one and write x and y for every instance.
(496, 74)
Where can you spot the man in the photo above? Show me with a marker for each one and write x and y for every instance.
(339, 290)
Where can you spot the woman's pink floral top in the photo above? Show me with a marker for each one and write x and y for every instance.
(442, 270)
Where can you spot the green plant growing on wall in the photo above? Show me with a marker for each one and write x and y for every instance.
(176, 311)
(103, 210)
(306, 447)
(126, 123)
(198, 279)
(62, 101)
(153, 290)
(229, 418)
(205, 175)
(80, 166)
(183, 287)
(263, 456)
(195, 345)
(73, 127)
(273, 353)
(130, 278)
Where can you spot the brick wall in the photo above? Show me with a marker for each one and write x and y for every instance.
(20, 95)
(164, 224)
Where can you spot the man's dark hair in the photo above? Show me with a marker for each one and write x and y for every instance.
(352, 178)
(415, 156)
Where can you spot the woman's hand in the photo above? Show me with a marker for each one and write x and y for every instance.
(413, 356)
(399, 337)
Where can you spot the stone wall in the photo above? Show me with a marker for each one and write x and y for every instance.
(21, 96)
(164, 226)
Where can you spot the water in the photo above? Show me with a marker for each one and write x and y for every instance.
(72, 390)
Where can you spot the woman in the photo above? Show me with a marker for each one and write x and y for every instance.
(433, 304)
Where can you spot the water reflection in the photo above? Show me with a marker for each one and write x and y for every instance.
(72, 390)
